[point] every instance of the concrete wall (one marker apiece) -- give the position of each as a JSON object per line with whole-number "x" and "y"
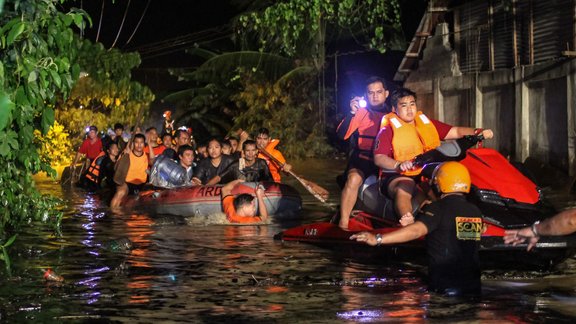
{"x": 532, "y": 109}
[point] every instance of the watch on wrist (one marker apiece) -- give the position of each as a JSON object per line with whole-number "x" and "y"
{"x": 534, "y": 229}
{"x": 378, "y": 239}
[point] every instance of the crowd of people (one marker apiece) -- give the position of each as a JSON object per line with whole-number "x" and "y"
{"x": 386, "y": 131}
{"x": 125, "y": 162}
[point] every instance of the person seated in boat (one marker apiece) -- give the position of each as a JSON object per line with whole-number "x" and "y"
{"x": 360, "y": 127}
{"x": 167, "y": 173}
{"x": 101, "y": 172}
{"x": 152, "y": 140}
{"x": 235, "y": 151}
{"x": 248, "y": 168}
{"x": 563, "y": 223}
{"x": 226, "y": 148}
{"x": 243, "y": 208}
{"x": 167, "y": 141}
{"x": 406, "y": 133}
{"x": 181, "y": 138}
{"x": 91, "y": 148}
{"x": 453, "y": 229}
{"x": 201, "y": 152}
{"x": 213, "y": 166}
{"x": 266, "y": 143}
{"x": 131, "y": 171}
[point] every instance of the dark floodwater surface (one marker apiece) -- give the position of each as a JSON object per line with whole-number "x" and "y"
{"x": 182, "y": 273}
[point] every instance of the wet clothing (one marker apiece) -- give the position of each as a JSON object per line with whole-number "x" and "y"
{"x": 91, "y": 149}
{"x": 230, "y": 211}
{"x": 273, "y": 166}
{"x": 361, "y": 128}
{"x": 157, "y": 150}
{"x": 255, "y": 173}
{"x": 206, "y": 170}
{"x": 452, "y": 244}
{"x": 131, "y": 169}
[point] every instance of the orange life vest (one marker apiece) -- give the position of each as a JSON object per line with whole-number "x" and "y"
{"x": 410, "y": 140}
{"x": 93, "y": 172}
{"x": 137, "y": 170}
{"x": 367, "y": 123}
{"x": 272, "y": 166}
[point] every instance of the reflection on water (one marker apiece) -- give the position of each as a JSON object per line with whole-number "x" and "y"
{"x": 181, "y": 272}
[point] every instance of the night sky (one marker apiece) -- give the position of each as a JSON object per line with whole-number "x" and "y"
{"x": 169, "y": 26}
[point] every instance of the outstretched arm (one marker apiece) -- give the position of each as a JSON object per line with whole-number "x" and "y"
{"x": 563, "y": 223}
{"x": 457, "y": 132}
{"x": 405, "y": 234}
{"x": 227, "y": 189}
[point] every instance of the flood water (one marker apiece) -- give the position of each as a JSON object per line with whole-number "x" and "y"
{"x": 182, "y": 273}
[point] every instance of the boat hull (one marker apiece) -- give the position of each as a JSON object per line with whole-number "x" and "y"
{"x": 282, "y": 201}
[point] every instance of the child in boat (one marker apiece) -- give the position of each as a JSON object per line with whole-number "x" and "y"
{"x": 453, "y": 228}
{"x": 243, "y": 208}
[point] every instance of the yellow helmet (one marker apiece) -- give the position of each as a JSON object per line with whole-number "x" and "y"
{"x": 451, "y": 177}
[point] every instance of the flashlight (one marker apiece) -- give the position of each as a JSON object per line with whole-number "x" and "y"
{"x": 362, "y": 103}
{"x": 164, "y": 115}
{"x": 87, "y": 129}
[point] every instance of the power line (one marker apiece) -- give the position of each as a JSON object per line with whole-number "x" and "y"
{"x": 140, "y": 21}
{"x": 121, "y": 25}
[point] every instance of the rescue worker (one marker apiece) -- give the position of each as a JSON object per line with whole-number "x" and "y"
{"x": 453, "y": 228}
{"x": 406, "y": 133}
{"x": 131, "y": 169}
{"x": 243, "y": 208}
{"x": 361, "y": 126}
{"x": 266, "y": 143}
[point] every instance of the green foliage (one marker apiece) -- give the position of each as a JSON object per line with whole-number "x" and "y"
{"x": 37, "y": 48}
{"x": 299, "y": 28}
{"x": 287, "y": 108}
{"x": 55, "y": 147}
{"x": 105, "y": 94}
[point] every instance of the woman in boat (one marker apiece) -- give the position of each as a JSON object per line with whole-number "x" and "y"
{"x": 213, "y": 166}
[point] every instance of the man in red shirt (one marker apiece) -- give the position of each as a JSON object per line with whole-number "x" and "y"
{"x": 91, "y": 147}
{"x": 406, "y": 133}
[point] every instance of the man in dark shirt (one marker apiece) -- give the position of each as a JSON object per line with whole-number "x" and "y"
{"x": 249, "y": 168}
{"x": 453, "y": 228}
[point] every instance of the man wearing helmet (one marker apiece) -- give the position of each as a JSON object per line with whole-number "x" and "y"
{"x": 453, "y": 228}
{"x": 404, "y": 134}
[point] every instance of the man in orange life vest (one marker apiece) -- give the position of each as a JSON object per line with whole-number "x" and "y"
{"x": 265, "y": 142}
{"x": 406, "y": 133}
{"x": 102, "y": 169}
{"x": 131, "y": 170}
{"x": 243, "y": 208}
{"x": 363, "y": 123}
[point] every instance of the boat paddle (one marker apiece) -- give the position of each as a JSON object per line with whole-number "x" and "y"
{"x": 313, "y": 188}
{"x": 316, "y": 190}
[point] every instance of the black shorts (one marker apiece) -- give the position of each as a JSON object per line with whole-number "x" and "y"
{"x": 367, "y": 167}
{"x": 134, "y": 189}
{"x": 388, "y": 177}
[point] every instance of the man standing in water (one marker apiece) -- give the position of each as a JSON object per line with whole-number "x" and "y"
{"x": 131, "y": 172}
{"x": 361, "y": 126}
{"x": 453, "y": 228}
